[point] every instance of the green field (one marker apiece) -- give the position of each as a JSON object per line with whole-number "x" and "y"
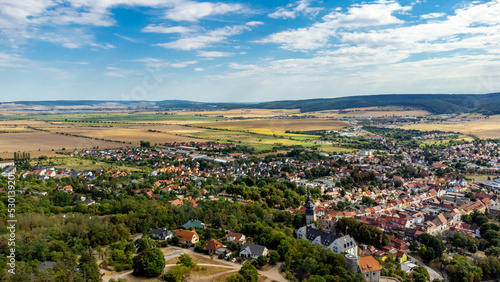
{"x": 132, "y": 117}
{"x": 81, "y": 164}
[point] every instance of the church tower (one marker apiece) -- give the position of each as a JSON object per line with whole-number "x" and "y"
{"x": 310, "y": 213}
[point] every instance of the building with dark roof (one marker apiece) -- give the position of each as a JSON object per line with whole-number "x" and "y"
{"x": 162, "y": 234}
{"x": 46, "y": 265}
{"x": 338, "y": 244}
{"x": 253, "y": 251}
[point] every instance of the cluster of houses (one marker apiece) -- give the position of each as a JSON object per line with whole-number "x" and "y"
{"x": 189, "y": 237}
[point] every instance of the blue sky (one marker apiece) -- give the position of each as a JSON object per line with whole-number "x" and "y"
{"x": 245, "y": 51}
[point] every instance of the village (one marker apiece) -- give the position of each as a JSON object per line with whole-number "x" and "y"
{"x": 403, "y": 192}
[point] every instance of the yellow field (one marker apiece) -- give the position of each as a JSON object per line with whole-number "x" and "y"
{"x": 277, "y": 126}
{"x": 482, "y": 128}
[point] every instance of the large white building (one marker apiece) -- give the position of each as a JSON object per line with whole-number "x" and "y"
{"x": 335, "y": 243}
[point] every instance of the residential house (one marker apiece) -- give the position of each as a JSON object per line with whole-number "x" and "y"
{"x": 213, "y": 246}
{"x": 237, "y": 238}
{"x": 253, "y": 251}
{"x": 193, "y": 223}
{"x": 187, "y": 237}
{"x": 162, "y": 234}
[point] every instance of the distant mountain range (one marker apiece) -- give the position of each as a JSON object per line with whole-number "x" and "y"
{"x": 488, "y": 104}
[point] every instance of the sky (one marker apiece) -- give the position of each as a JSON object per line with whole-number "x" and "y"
{"x": 245, "y": 51}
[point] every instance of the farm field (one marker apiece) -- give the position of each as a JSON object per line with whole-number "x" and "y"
{"x": 482, "y": 128}
{"x": 115, "y": 117}
{"x": 42, "y": 143}
{"x": 370, "y": 111}
{"x": 277, "y": 126}
{"x": 246, "y": 113}
{"x": 133, "y": 134}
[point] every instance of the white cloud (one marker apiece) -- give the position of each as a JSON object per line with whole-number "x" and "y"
{"x": 9, "y": 60}
{"x": 199, "y": 69}
{"x": 291, "y": 11}
{"x": 28, "y": 19}
{"x": 183, "y": 64}
{"x": 120, "y": 72}
{"x": 255, "y": 23}
{"x": 316, "y": 36}
{"x": 214, "y": 54}
{"x": 193, "y": 11}
{"x": 167, "y": 29}
{"x": 204, "y": 40}
{"x": 456, "y": 50}
{"x": 103, "y": 46}
{"x": 126, "y": 38}
{"x": 432, "y": 16}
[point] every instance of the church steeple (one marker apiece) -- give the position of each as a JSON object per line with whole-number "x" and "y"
{"x": 310, "y": 213}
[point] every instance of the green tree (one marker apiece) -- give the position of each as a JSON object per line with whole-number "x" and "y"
{"x": 88, "y": 267}
{"x": 461, "y": 269}
{"x": 178, "y": 273}
{"x": 274, "y": 257}
{"x": 236, "y": 278}
{"x": 143, "y": 244}
{"x": 186, "y": 260}
{"x": 493, "y": 251}
{"x": 249, "y": 273}
{"x": 261, "y": 261}
{"x": 61, "y": 198}
{"x": 149, "y": 263}
{"x": 420, "y": 274}
{"x": 145, "y": 144}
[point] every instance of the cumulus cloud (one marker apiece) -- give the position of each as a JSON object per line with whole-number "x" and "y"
{"x": 193, "y": 11}
{"x": 291, "y": 11}
{"x": 357, "y": 16}
{"x": 432, "y": 16}
{"x": 27, "y": 19}
{"x": 201, "y": 41}
{"x": 183, "y": 64}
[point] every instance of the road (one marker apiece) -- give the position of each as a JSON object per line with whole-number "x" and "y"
{"x": 272, "y": 274}
{"x": 433, "y": 274}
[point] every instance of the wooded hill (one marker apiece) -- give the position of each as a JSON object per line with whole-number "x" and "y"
{"x": 487, "y": 104}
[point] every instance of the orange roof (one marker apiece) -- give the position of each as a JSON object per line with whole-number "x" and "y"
{"x": 368, "y": 264}
{"x": 185, "y": 235}
{"x": 213, "y": 245}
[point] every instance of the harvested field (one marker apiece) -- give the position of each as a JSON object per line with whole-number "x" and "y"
{"x": 482, "y": 128}
{"x": 131, "y": 134}
{"x": 247, "y": 113}
{"x": 43, "y": 141}
{"x": 277, "y": 126}
{"x": 370, "y": 111}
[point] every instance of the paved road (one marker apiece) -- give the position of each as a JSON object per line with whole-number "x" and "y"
{"x": 433, "y": 274}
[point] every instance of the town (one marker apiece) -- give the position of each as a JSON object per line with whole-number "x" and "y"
{"x": 388, "y": 212}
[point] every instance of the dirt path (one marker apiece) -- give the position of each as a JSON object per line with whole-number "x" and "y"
{"x": 271, "y": 274}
